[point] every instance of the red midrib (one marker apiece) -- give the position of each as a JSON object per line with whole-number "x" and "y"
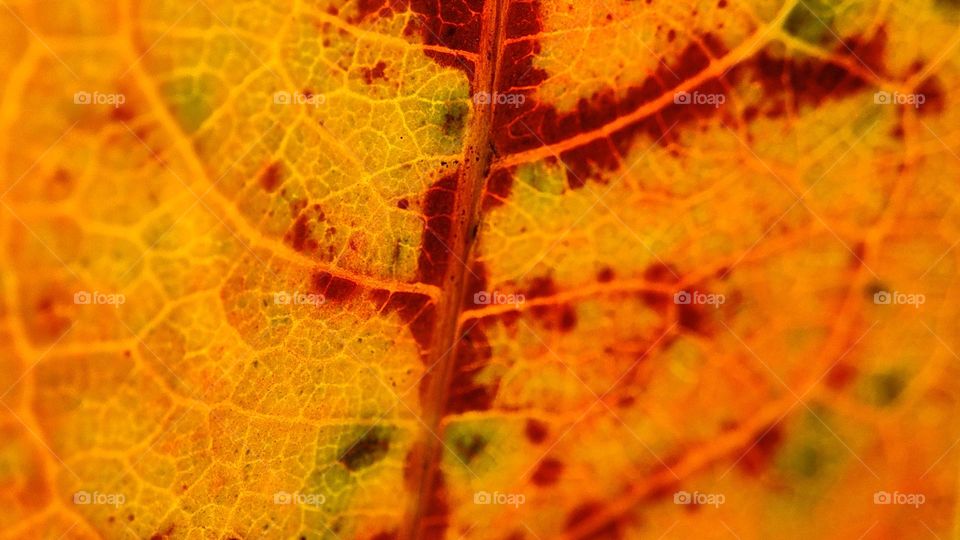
{"x": 426, "y": 518}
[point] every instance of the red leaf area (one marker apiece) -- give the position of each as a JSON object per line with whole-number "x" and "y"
{"x": 588, "y": 141}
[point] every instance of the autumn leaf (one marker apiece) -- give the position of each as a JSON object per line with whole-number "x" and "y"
{"x": 525, "y": 269}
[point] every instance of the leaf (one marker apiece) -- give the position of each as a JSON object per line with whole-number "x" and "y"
{"x": 478, "y": 269}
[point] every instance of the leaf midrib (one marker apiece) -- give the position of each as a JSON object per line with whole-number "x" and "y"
{"x": 465, "y": 216}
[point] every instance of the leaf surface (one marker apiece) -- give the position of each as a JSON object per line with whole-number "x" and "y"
{"x": 479, "y": 269}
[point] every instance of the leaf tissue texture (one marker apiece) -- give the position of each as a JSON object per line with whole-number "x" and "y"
{"x": 479, "y": 269}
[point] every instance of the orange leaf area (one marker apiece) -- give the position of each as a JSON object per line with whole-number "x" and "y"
{"x": 479, "y": 269}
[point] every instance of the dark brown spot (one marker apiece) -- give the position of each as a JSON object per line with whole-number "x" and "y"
{"x": 536, "y": 431}
{"x": 123, "y": 113}
{"x": 48, "y": 317}
{"x": 932, "y": 92}
{"x": 692, "y": 317}
{"x": 840, "y": 376}
{"x": 374, "y": 73}
{"x": 298, "y": 235}
{"x": 625, "y": 402}
{"x": 857, "y": 252}
{"x": 271, "y": 177}
{"x": 659, "y": 272}
{"x": 548, "y": 472}
{"x": 541, "y": 287}
{"x": 469, "y": 446}
{"x": 761, "y": 454}
{"x": 371, "y": 447}
{"x": 62, "y": 177}
{"x": 568, "y": 319}
{"x": 333, "y": 288}
{"x": 455, "y": 119}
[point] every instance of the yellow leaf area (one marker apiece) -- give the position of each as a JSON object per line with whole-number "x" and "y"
{"x": 486, "y": 269}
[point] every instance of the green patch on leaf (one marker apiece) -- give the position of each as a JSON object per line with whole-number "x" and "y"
{"x": 810, "y": 450}
{"x": 468, "y": 445}
{"x": 882, "y": 389}
{"x": 369, "y": 446}
{"x": 453, "y": 118}
{"x": 192, "y": 100}
{"x": 543, "y": 178}
{"x": 811, "y": 21}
